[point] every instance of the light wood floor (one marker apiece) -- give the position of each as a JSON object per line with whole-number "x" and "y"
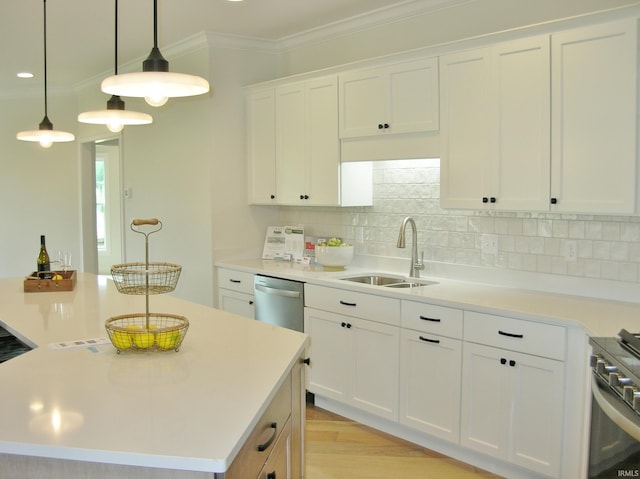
{"x": 338, "y": 448}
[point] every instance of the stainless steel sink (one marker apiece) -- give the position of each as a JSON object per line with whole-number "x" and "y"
{"x": 388, "y": 281}
{"x": 375, "y": 280}
{"x": 411, "y": 285}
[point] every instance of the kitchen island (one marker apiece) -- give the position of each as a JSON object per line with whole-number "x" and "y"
{"x": 91, "y": 412}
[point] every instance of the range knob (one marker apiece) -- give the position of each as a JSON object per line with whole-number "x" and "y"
{"x": 614, "y": 380}
{"x": 627, "y": 394}
{"x": 593, "y": 360}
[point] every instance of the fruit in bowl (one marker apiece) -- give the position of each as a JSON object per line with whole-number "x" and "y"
{"x": 334, "y": 254}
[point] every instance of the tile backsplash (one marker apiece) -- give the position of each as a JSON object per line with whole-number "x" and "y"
{"x": 583, "y": 246}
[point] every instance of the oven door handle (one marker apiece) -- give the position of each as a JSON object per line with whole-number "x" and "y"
{"x": 610, "y": 408}
{"x": 278, "y": 292}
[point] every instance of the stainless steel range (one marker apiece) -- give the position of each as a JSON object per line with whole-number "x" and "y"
{"x": 615, "y": 416}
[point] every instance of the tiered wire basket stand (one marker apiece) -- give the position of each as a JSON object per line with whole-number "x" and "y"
{"x": 146, "y": 331}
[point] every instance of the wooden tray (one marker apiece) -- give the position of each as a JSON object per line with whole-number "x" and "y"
{"x": 34, "y": 284}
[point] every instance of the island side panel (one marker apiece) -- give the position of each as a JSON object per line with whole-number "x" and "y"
{"x": 19, "y": 467}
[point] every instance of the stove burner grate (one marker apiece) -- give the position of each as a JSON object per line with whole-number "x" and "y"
{"x": 630, "y": 342}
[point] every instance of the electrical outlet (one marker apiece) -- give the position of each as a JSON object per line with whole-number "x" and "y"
{"x": 489, "y": 244}
{"x": 571, "y": 250}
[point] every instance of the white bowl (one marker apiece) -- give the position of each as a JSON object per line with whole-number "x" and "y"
{"x": 334, "y": 258}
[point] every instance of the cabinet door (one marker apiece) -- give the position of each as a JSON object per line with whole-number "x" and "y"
{"x": 322, "y": 175}
{"x": 486, "y": 401}
{"x": 330, "y": 352}
{"x": 413, "y": 97}
{"x": 430, "y": 374}
{"x": 521, "y": 159}
{"x": 594, "y": 118}
{"x": 261, "y": 147}
{"x": 538, "y": 392}
{"x": 362, "y": 103}
{"x": 466, "y": 132}
{"x": 375, "y": 351}
{"x": 236, "y": 303}
{"x": 291, "y": 146}
{"x": 512, "y": 407}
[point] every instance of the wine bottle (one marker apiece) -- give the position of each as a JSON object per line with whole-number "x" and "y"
{"x": 43, "y": 260}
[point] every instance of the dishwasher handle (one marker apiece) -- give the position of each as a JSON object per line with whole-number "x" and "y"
{"x": 278, "y": 292}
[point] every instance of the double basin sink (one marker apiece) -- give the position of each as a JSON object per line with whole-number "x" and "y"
{"x": 389, "y": 281}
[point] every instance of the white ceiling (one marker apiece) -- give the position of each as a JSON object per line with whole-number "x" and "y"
{"x": 81, "y": 33}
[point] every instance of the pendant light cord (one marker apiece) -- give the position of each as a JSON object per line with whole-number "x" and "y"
{"x": 44, "y": 3}
{"x": 155, "y": 23}
{"x": 116, "y": 41}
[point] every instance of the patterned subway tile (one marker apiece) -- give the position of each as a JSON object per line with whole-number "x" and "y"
{"x": 608, "y": 247}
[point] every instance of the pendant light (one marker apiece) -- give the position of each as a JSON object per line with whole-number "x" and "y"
{"x": 115, "y": 116}
{"x": 45, "y": 134}
{"x": 155, "y": 83}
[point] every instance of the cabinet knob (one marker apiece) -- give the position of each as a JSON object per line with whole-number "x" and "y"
{"x": 386, "y": 125}
{"x": 271, "y": 475}
{"x": 304, "y": 197}
{"x": 485, "y": 199}
{"x": 512, "y": 363}
{"x": 493, "y": 199}
{"x": 273, "y": 197}
{"x": 554, "y": 201}
{"x": 380, "y": 126}
{"x": 307, "y": 361}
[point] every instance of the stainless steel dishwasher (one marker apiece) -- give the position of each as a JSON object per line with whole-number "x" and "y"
{"x": 279, "y": 301}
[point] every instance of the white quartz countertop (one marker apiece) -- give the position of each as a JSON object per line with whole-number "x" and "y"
{"x": 190, "y": 410}
{"x": 598, "y": 317}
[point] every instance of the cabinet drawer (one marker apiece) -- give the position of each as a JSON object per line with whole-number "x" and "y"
{"x": 433, "y": 319}
{"x": 350, "y": 303}
{"x": 256, "y": 450}
{"x": 546, "y": 340}
{"x": 240, "y": 281}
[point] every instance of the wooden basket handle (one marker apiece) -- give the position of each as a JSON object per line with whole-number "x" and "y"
{"x": 150, "y": 221}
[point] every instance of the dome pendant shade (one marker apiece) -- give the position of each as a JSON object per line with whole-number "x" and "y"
{"x": 45, "y": 134}
{"x": 156, "y": 84}
{"x": 115, "y": 116}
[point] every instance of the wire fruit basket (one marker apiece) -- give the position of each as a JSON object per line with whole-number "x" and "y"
{"x": 143, "y": 278}
{"x": 142, "y": 332}
{"x": 146, "y": 331}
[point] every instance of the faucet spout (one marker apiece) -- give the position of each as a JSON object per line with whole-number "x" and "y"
{"x": 416, "y": 265}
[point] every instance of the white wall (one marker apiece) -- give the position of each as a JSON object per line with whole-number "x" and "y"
{"x": 38, "y": 187}
{"x": 188, "y": 169}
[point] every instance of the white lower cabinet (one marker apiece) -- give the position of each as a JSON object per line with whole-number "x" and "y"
{"x": 354, "y": 360}
{"x": 235, "y": 292}
{"x": 512, "y": 402}
{"x": 484, "y": 383}
{"x": 430, "y": 371}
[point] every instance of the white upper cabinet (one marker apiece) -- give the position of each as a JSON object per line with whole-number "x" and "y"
{"x": 495, "y": 126}
{"x": 294, "y": 149}
{"x": 401, "y": 98}
{"x": 261, "y": 146}
{"x": 465, "y": 129}
{"x": 594, "y": 118}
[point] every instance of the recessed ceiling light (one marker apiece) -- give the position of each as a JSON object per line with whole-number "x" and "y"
{"x": 25, "y": 75}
